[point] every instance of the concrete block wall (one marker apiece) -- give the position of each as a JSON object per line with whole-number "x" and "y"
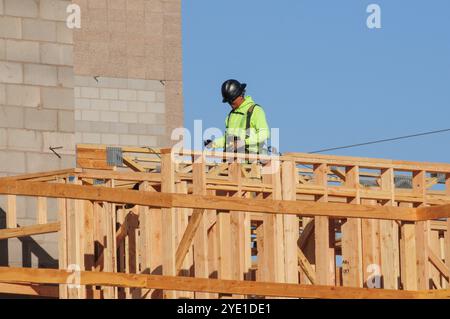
{"x": 36, "y": 111}
{"x": 117, "y": 80}
{"x": 120, "y": 111}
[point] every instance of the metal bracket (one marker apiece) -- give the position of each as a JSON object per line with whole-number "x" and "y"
{"x": 114, "y": 156}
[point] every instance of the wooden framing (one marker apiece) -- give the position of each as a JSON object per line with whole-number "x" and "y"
{"x": 189, "y": 225}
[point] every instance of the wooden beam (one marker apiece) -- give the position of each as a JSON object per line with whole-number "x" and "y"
{"x": 306, "y": 267}
{"x": 54, "y": 276}
{"x": 438, "y": 263}
{"x": 165, "y": 200}
{"x": 29, "y": 230}
{"x": 29, "y": 290}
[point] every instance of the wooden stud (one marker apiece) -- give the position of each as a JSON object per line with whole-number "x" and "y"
{"x": 422, "y": 234}
{"x": 168, "y": 220}
{"x": 290, "y": 224}
{"x": 11, "y": 214}
{"x": 389, "y": 236}
{"x": 42, "y": 210}
{"x": 351, "y": 237}
{"x": 323, "y": 235}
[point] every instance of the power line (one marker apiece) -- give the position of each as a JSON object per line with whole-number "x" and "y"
{"x": 380, "y": 141}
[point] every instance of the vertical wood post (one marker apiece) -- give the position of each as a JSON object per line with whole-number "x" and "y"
{"x": 323, "y": 235}
{"x": 351, "y": 237}
{"x": 168, "y": 219}
{"x": 422, "y": 234}
{"x": 291, "y": 223}
{"x": 389, "y": 234}
{"x": 11, "y": 214}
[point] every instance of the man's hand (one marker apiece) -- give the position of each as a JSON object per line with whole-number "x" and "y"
{"x": 208, "y": 143}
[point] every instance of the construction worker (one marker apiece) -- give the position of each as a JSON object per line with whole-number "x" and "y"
{"x": 246, "y": 126}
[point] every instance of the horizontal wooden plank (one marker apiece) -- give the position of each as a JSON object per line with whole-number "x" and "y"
{"x": 38, "y": 175}
{"x": 54, "y": 276}
{"x": 434, "y": 212}
{"x": 166, "y": 200}
{"x": 29, "y": 290}
{"x": 29, "y": 230}
{"x": 93, "y": 163}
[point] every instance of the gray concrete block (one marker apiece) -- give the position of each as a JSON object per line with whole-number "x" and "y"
{"x": 63, "y": 33}
{"x": 57, "y": 98}
{"x": 82, "y": 104}
{"x": 147, "y": 141}
{"x": 24, "y": 140}
{"x": 139, "y": 129}
{"x": 66, "y": 121}
{"x": 65, "y": 76}
{"x": 115, "y": 83}
{"x": 119, "y": 128}
{"x": 12, "y": 161}
{"x": 21, "y": 8}
{"x": 22, "y": 51}
{"x": 127, "y": 95}
{"x": 3, "y": 138}
{"x": 101, "y": 127}
{"x": 136, "y": 106}
{"x": 2, "y": 94}
{"x": 156, "y": 130}
{"x": 85, "y": 81}
{"x": 39, "y": 162}
{"x": 23, "y": 95}
{"x": 110, "y": 139}
{"x": 41, "y": 74}
{"x": 147, "y": 118}
{"x": 54, "y": 9}
{"x": 93, "y": 138}
{"x": 59, "y": 54}
{"x": 10, "y": 27}
{"x": 100, "y": 105}
{"x": 57, "y": 139}
{"x": 39, "y": 30}
{"x": 137, "y": 84}
{"x": 109, "y": 94}
{"x": 11, "y": 72}
{"x": 154, "y": 85}
{"x": 1, "y": 7}
{"x": 108, "y": 116}
{"x": 118, "y": 106}
{"x": 90, "y": 92}
{"x": 146, "y": 96}
{"x": 89, "y": 115}
{"x": 128, "y": 140}
{"x": 161, "y": 97}
{"x": 11, "y": 116}
{"x": 83, "y": 126}
{"x": 130, "y": 117}
{"x": 67, "y": 161}
{"x": 159, "y": 108}
{"x": 46, "y": 120}
{"x": 2, "y": 49}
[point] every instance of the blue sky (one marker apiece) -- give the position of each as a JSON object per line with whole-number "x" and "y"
{"x": 321, "y": 75}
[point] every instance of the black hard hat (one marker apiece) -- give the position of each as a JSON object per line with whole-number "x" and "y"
{"x": 231, "y": 89}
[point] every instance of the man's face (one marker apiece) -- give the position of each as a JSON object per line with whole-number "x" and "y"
{"x": 237, "y": 102}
